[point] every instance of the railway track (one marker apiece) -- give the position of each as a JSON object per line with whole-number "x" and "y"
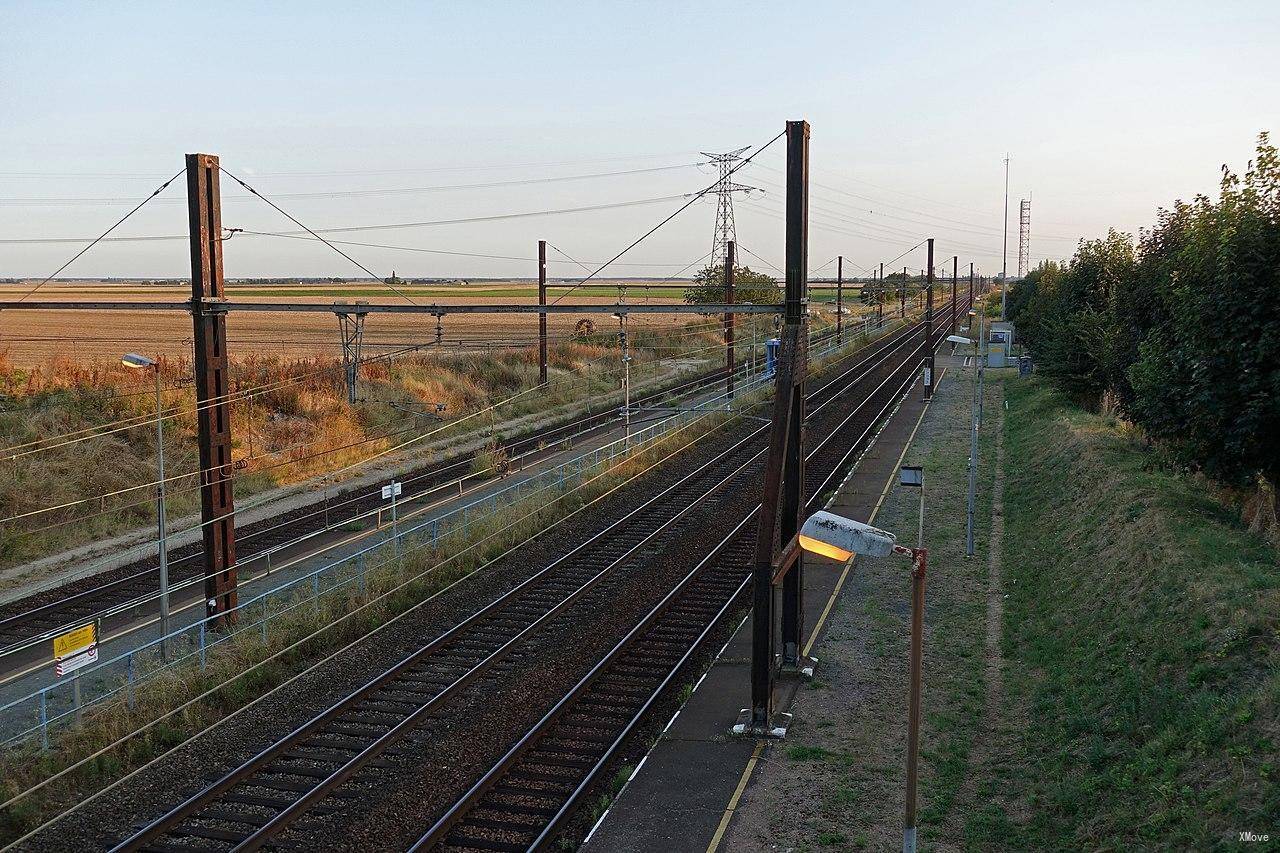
{"x": 302, "y": 773}
{"x": 133, "y": 589}
{"x": 526, "y": 799}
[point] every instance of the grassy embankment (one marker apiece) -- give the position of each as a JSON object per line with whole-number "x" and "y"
{"x": 1141, "y": 623}
{"x": 298, "y": 427}
{"x": 1135, "y": 700}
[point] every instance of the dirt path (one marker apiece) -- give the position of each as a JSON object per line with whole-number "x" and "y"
{"x": 991, "y": 747}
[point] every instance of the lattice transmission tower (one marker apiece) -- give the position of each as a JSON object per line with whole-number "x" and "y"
{"x": 1024, "y": 238}
{"x": 725, "y": 189}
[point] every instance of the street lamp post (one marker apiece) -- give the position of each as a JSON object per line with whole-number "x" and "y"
{"x": 141, "y": 362}
{"x": 840, "y": 538}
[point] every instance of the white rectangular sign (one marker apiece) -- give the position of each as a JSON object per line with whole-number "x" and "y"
{"x": 76, "y": 661}
{"x": 386, "y": 490}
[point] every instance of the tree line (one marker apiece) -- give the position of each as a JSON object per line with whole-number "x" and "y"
{"x": 1178, "y": 330}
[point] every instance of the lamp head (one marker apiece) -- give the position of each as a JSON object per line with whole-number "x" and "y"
{"x": 840, "y": 538}
{"x": 132, "y": 359}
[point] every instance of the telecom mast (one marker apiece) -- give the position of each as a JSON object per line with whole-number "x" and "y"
{"x": 725, "y": 188}
{"x": 1024, "y": 238}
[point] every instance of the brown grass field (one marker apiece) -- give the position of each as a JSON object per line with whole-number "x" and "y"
{"x": 34, "y": 338}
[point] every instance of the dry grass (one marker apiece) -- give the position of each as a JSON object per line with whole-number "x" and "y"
{"x": 172, "y": 706}
{"x": 33, "y": 338}
{"x": 295, "y": 425}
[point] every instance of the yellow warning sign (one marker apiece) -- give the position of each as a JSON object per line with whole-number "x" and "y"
{"x": 75, "y": 640}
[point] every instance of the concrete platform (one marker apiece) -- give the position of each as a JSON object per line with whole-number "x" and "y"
{"x": 683, "y": 795}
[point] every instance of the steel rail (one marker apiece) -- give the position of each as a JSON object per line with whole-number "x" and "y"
{"x": 197, "y": 802}
{"x": 557, "y": 433}
{"x": 444, "y": 824}
{"x": 472, "y": 799}
{"x": 244, "y": 771}
{"x": 583, "y": 426}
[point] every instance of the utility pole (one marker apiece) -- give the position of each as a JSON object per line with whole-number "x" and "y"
{"x": 542, "y": 317}
{"x": 730, "y": 319}
{"x": 1004, "y": 274}
{"x": 902, "y": 293}
{"x": 955, "y": 272}
{"x": 879, "y": 291}
{"x": 839, "y": 298}
{"x": 928, "y": 327}
{"x": 783, "y": 500}
{"x": 971, "y": 284}
{"x": 797, "y": 267}
{"x": 209, "y": 321}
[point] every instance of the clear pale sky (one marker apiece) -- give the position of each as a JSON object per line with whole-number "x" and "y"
{"x": 1109, "y": 110}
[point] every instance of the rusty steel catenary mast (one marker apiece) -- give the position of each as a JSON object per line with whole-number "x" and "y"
{"x": 209, "y": 319}
{"x": 777, "y": 563}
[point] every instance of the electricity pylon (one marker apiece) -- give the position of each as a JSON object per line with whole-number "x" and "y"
{"x": 725, "y": 189}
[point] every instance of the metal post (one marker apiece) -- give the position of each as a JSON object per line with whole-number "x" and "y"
{"x": 395, "y": 523}
{"x": 973, "y": 460}
{"x": 919, "y": 567}
{"x": 163, "y": 544}
{"x": 971, "y": 284}
{"x": 797, "y": 297}
{"x": 217, "y": 505}
{"x": 351, "y": 332}
{"x": 879, "y": 297}
{"x": 782, "y": 502}
{"x": 982, "y": 367}
{"x": 730, "y": 319}
{"x": 1004, "y": 274}
{"x": 928, "y": 327}
{"x": 626, "y": 379}
{"x": 903, "y": 293}
{"x": 955, "y": 272}
{"x": 839, "y": 296}
{"x": 128, "y": 680}
{"x": 542, "y": 317}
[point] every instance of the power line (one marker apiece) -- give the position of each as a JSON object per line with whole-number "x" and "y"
{"x": 760, "y": 259}
{"x": 384, "y": 227}
{"x": 328, "y": 194}
{"x": 424, "y": 250}
{"x": 291, "y": 218}
{"x": 101, "y": 236}
{"x": 675, "y": 213}
{"x": 479, "y": 167}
